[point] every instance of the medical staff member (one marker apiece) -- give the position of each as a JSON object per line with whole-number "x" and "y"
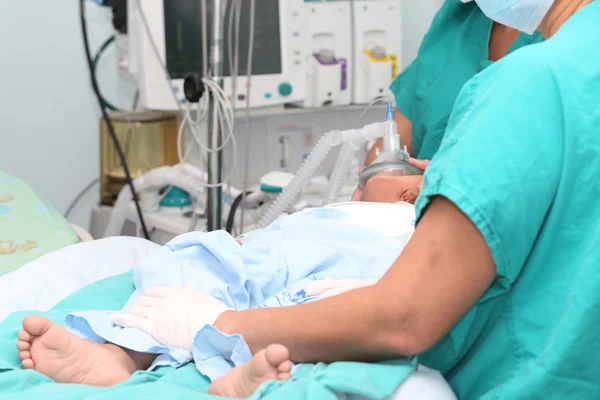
{"x": 499, "y": 288}
{"x": 461, "y": 42}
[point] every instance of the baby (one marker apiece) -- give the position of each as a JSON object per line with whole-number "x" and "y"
{"x": 304, "y": 257}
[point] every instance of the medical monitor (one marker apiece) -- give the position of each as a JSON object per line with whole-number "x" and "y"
{"x": 278, "y": 71}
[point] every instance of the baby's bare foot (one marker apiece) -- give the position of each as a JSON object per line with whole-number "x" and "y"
{"x": 269, "y": 364}
{"x": 60, "y": 355}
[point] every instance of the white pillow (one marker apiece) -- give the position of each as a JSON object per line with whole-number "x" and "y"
{"x": 396, "y": 220}
{"x": 41, "y": 284}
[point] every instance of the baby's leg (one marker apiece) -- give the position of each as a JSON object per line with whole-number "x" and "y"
{"x": 272, "y": 363}
{"x": 57, "y": 353}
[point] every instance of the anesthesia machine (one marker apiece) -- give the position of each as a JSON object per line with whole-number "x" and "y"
{"x": 377, "y": 46}
{"x": 329, "y": 67}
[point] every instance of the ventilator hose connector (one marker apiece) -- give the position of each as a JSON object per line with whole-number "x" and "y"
{"x": 291, "y": 192}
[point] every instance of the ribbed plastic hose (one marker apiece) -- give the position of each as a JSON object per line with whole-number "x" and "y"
{"x": 330, "y": 140}
{"x": 291, "y": 192}
{"x": 340, "y": 172}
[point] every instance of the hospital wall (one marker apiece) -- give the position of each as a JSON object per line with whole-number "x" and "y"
{"x": 48, "y": 114}
{"x": 416, "y": 19}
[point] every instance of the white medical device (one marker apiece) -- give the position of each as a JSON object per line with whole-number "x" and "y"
{"x": 377, "y": 47}
{"x": 175, "y": 26}
{"x": 329, "y": 67}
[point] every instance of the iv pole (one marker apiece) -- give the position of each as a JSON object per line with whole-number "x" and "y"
{"x": 215, "y": 161}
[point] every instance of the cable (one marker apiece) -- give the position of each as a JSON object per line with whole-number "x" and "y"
{"x": 224, "y": 112}
{"x": 234, "y": 11}
{"x": 97, "y": 57}
{"x": 108, "y": 105}
{"x": 223, "y": 107}
{"x": 377, "y": 100}
{"x": 204, "y": 39}
{"x": 248, "y": 87}
{"x": 234, "y": 55}
{"x": 80, "y": 196}
{"x": 106, "y": 118}
{"x": 234, "y": 206}
{"x": 223, "y": 104}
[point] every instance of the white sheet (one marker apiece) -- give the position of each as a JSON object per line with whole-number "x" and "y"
{"x": 48, "y": 280}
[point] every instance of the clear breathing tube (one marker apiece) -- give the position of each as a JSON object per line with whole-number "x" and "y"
{"x": 393, "y": 160}
{"x": 391, "y": 139}
{"x": 339, "y": 175}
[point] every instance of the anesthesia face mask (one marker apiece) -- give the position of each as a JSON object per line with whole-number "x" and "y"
{"x": 393, "y": 161}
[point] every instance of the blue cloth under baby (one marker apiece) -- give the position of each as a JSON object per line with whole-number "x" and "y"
{"x": 271, "y": 269}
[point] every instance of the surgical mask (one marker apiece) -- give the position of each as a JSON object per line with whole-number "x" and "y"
{"x": 523, "y": 15}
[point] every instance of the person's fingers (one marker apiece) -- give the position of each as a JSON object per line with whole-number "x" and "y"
{"x": 129, "y": 321}
{"x": 146, "y": 301}
{"x": 139, "y": 311}
{"x": 421, "y": 164}
{"x": 410, "y": 196}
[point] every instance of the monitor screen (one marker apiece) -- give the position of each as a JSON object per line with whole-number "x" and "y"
{"x": 183, "y": 32}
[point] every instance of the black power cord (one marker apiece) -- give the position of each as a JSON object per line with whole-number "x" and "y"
{"x": 107, "y": 120}
{"x": 234, "y": 206}
{"x": 96, "y": 61}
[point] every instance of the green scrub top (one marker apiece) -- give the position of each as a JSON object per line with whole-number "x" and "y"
{"x": 454, "y": 50}
{"x": 521, "y": 158}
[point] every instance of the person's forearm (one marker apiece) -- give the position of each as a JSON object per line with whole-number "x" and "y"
{"x": 447, "y": 259}
{"x": 354, "y": 326}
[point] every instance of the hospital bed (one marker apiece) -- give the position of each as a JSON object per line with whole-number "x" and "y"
{"x": 43, "y": 283}
{"x": 66, "y": 259}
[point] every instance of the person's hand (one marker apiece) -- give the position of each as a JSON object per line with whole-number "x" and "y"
{"x": 171, "y": 316}
{"x": 421, "y": 164}
{"x": 392, "y": 189}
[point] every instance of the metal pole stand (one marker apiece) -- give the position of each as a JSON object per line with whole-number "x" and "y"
{"x": 215, "y": 159}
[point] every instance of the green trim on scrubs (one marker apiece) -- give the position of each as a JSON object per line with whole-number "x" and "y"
{"x": 521, "y": 158}
{"x": 454, "y": 50}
